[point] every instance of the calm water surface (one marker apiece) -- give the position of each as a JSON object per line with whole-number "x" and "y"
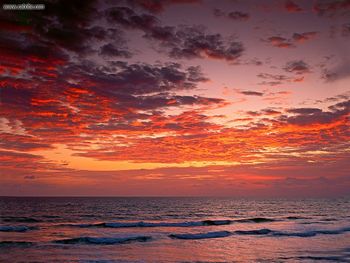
{"x": 173, "y": 230}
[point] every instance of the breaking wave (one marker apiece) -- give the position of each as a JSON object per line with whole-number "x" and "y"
{"x": 217, "y": 234}
{"x": 257, "y": 220}
{"x": 174, "y": 224}
{"x": 311, "y": 233}
{"x": 261, "y": 232}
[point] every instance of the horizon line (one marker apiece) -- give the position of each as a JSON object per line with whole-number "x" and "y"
{"x": 159, "y": 196}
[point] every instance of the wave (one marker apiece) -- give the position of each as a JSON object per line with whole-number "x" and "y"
{"x": 15, "y": 243}
{"x": 150, "y": 224}
{"x": 263, "y": 231}
{"x": 318, "y": 258}
{"x": 256, "y": 220}
{"x": 329, "y": 219}
{"x": 311, "y": 233}
{"x": 216, "y": 222}
{"x": 103, "y": 240}
{"x": 156, "y": 224}
{"x": 16, "y": 228}
{"x": 217, "y": 234}
{"x": 173, "y": 224}
{"x": 297, "y": 217}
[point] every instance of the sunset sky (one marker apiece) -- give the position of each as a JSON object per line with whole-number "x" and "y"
{"x": 176, "y": 98}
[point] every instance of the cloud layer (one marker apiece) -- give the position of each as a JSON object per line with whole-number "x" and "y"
{"x": 130, "y": 85}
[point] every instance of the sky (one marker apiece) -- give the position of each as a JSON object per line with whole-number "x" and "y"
{"x": 176, "y": 98}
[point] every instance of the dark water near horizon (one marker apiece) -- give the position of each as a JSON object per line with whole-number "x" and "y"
{"x": 108, "y": 229}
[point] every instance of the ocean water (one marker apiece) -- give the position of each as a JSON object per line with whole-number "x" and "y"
{"x": 173, "y": 230}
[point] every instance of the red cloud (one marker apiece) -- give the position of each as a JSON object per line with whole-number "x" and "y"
{"x": 292, "y": 7}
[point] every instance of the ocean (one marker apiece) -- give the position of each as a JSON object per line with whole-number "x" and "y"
{"x": 144, "y": 229}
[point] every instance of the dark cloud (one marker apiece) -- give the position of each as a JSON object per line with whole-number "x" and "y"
{"x": 58, "y": 93}
{"x": 22, "y": 142}
{"x": 274, "y": 79}
{"x": 157, "y": 6}
{"x": 110, "y": 50}
{"x": 304, "y": 36}
{"x": 270, "y": 112}
{"x": 328, "y": 76}
{"x": 67, "y": 24}
{"x": 136, "y": 79}
{"x": 127, "y": 18}
{"x": 24, "y": 162}
{"x": 234, "y": 15}
{"x": 346, "y": 30}
{"x": 29, "y": 177}
{"x": 304, "y": 110}
{"x": 161, "y": 33}
{"x": 292, "y": 7}
{"x": 195, "y": 74}
{"x": 341, "y": 71}
{"x": 338, "y": 98}
{"x": 17, "y": 160}
{"x": 8, "y": 154}
{"x": 264, "y": 112}
{"x": 194, "y": 42}
{"x": 282, "y": 42}
{"x": 273, "y": 76}
{"x": 298, "y": 67}
{"x": 15, "y": 46}
{"x": 179, "y": 42}
{"x": 270, "y": 83}
{"x": 218, "y": 12}
{"x": 332, "y": 8}
{"x": 309, "y": 116}
{"x": 342, "y": 107}
{"x": 252, "y": 93}
{"x": 144, "y": 78}
{"x": 134, "y": 88}
{"x": 85, "y": 94}
{"x": 237, "y": 15}
{"x": 253, "y": 113}
{"x": 63, "y": 27}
